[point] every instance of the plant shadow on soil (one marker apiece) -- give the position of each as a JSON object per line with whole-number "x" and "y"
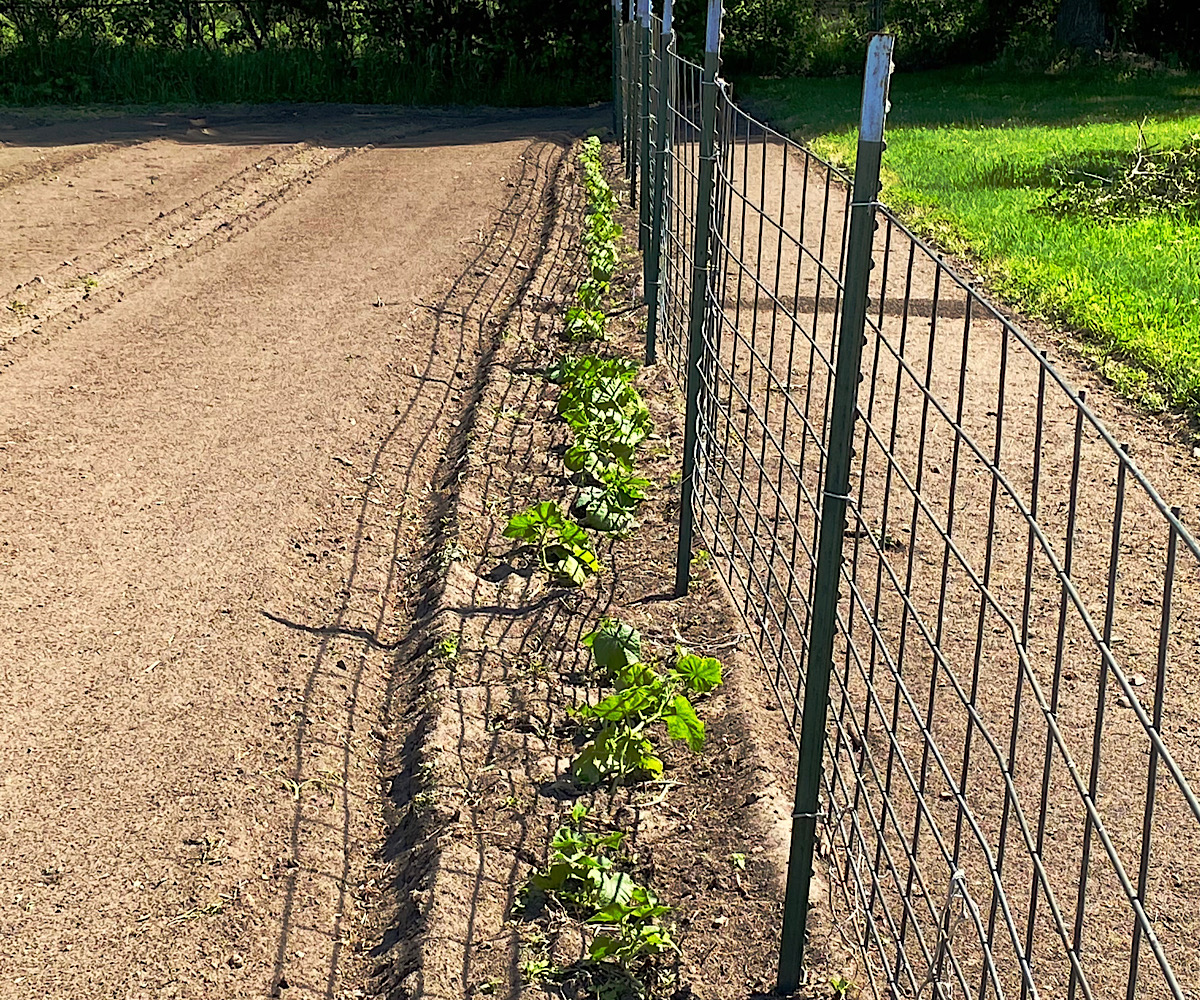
{"x": 498, "y": 664}
{"x": 478, "y": 301}
{"x": 268, "y": 124}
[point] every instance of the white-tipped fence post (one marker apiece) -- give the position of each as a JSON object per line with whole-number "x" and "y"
{"x": 700, "y": 269}
{"x": 836, "y": 491}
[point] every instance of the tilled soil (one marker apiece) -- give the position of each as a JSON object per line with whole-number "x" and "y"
{"x": 495, "y": 667}
{"x": 215, "y": 468}
{"x": 268, "y": 390}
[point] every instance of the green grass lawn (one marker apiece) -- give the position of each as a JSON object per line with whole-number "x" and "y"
{"x": 969, "y": 163}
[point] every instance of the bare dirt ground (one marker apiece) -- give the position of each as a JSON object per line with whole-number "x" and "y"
{"x": 944, "y": 762}
{"x": 215, "y": 468}
{"x": 268, "y": 390}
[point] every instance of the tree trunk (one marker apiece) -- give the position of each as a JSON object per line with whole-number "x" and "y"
{"x": 1080, "y": 24}
{"x": 251, "y": 27}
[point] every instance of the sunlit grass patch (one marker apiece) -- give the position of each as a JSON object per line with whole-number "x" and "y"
{"x": 1131, "y": 288}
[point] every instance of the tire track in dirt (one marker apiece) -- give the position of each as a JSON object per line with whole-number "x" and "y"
{"x": 40, "y": 307}
{"x": 23, "y": 170}
{"x": 98, "y": 275}
{"x": 214, "y": 497}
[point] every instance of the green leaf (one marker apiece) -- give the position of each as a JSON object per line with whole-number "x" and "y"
{"x": 615, "y": 890}
{"x": 564, "y": 547}
{"x": 535, "y": 524}
{"x": 594, "y": 456}
{"x": 616, "y": 752}
{"x": 701, "y": 674}
{"x": 566, "y": 566}
{"x": 603, "y": 946}
{"x": 623, "y": 704}
{"x": 683, "y": 723}
{"x": 604, "y": 509}
{"x": 635, "y": 675}
{"x": 614, "y": 645}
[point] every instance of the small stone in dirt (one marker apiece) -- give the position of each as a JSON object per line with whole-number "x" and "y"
{"x": 235, "y": 961}
{"x": 1137, "y": 680}
{"x": 1196, "y": 452}
{"x": 720, "y": 921}
{"x": 1123, "y": 701}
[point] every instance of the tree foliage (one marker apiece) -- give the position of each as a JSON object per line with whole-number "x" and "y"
{"x": 485, "y": 41}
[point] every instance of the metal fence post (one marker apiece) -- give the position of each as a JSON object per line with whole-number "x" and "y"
{"x": 618, "y": 109}
{"x": 647, "y": 53}
{"x": 833, "y": 510}
{"x": 658, "y": 202}
{"x": 700, "y": 255}
{"x": 632, "y": 100}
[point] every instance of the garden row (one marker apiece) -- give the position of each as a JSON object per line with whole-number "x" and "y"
{"x": 592, "y": 875}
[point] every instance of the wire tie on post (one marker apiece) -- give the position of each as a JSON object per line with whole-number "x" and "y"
{"x": 796, "y": 815}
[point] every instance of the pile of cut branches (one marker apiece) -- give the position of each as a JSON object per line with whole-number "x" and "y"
{"x": 1153, "y": 182}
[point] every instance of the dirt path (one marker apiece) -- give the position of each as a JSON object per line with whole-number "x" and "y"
{"x": 213, "y": 485}
{"x": 923, "y": 743}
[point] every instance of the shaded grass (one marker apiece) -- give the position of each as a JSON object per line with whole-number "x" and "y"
{"x": 975, "y": 184}
{"x": 78, "y": 72}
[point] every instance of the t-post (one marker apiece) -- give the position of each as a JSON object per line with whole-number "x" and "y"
{"x": 700, "y": 268}
{"x": 618, "y": 110}
{"x": 646, "y": 49}
{"x": 664, "y": 127}
{"x": 833, "y": 509}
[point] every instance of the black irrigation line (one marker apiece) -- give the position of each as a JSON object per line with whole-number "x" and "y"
{"x": 965, "y": 832}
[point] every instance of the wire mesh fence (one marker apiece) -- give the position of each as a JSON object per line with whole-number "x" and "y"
{"x": 1012, "y": 747}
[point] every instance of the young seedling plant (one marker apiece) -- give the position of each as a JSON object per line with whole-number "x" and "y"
{"x": 586, "y": 321}
{"x": 609, "y": 420}
{"x": 563, "y": 548}
{"x": 621, "y": 749}
{"x": 586, "y": 877}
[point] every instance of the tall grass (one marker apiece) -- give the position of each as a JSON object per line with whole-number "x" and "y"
{"x": 74, "y": 71}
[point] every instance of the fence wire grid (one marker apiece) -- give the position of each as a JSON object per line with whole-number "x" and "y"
{"x": 1013, "y": 741}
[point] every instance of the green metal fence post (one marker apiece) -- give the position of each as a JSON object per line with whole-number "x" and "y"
{"x": 658, "y": 203}
{"x": 618, "y": 109}
{"x": 633, "y": 101}
{"x": 700, "y": 255}
{"x": 833, "y": 509}
{"x": 647, "y": 53}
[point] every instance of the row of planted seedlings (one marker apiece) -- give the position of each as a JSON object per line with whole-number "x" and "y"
{"x": 590, "y": 877}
